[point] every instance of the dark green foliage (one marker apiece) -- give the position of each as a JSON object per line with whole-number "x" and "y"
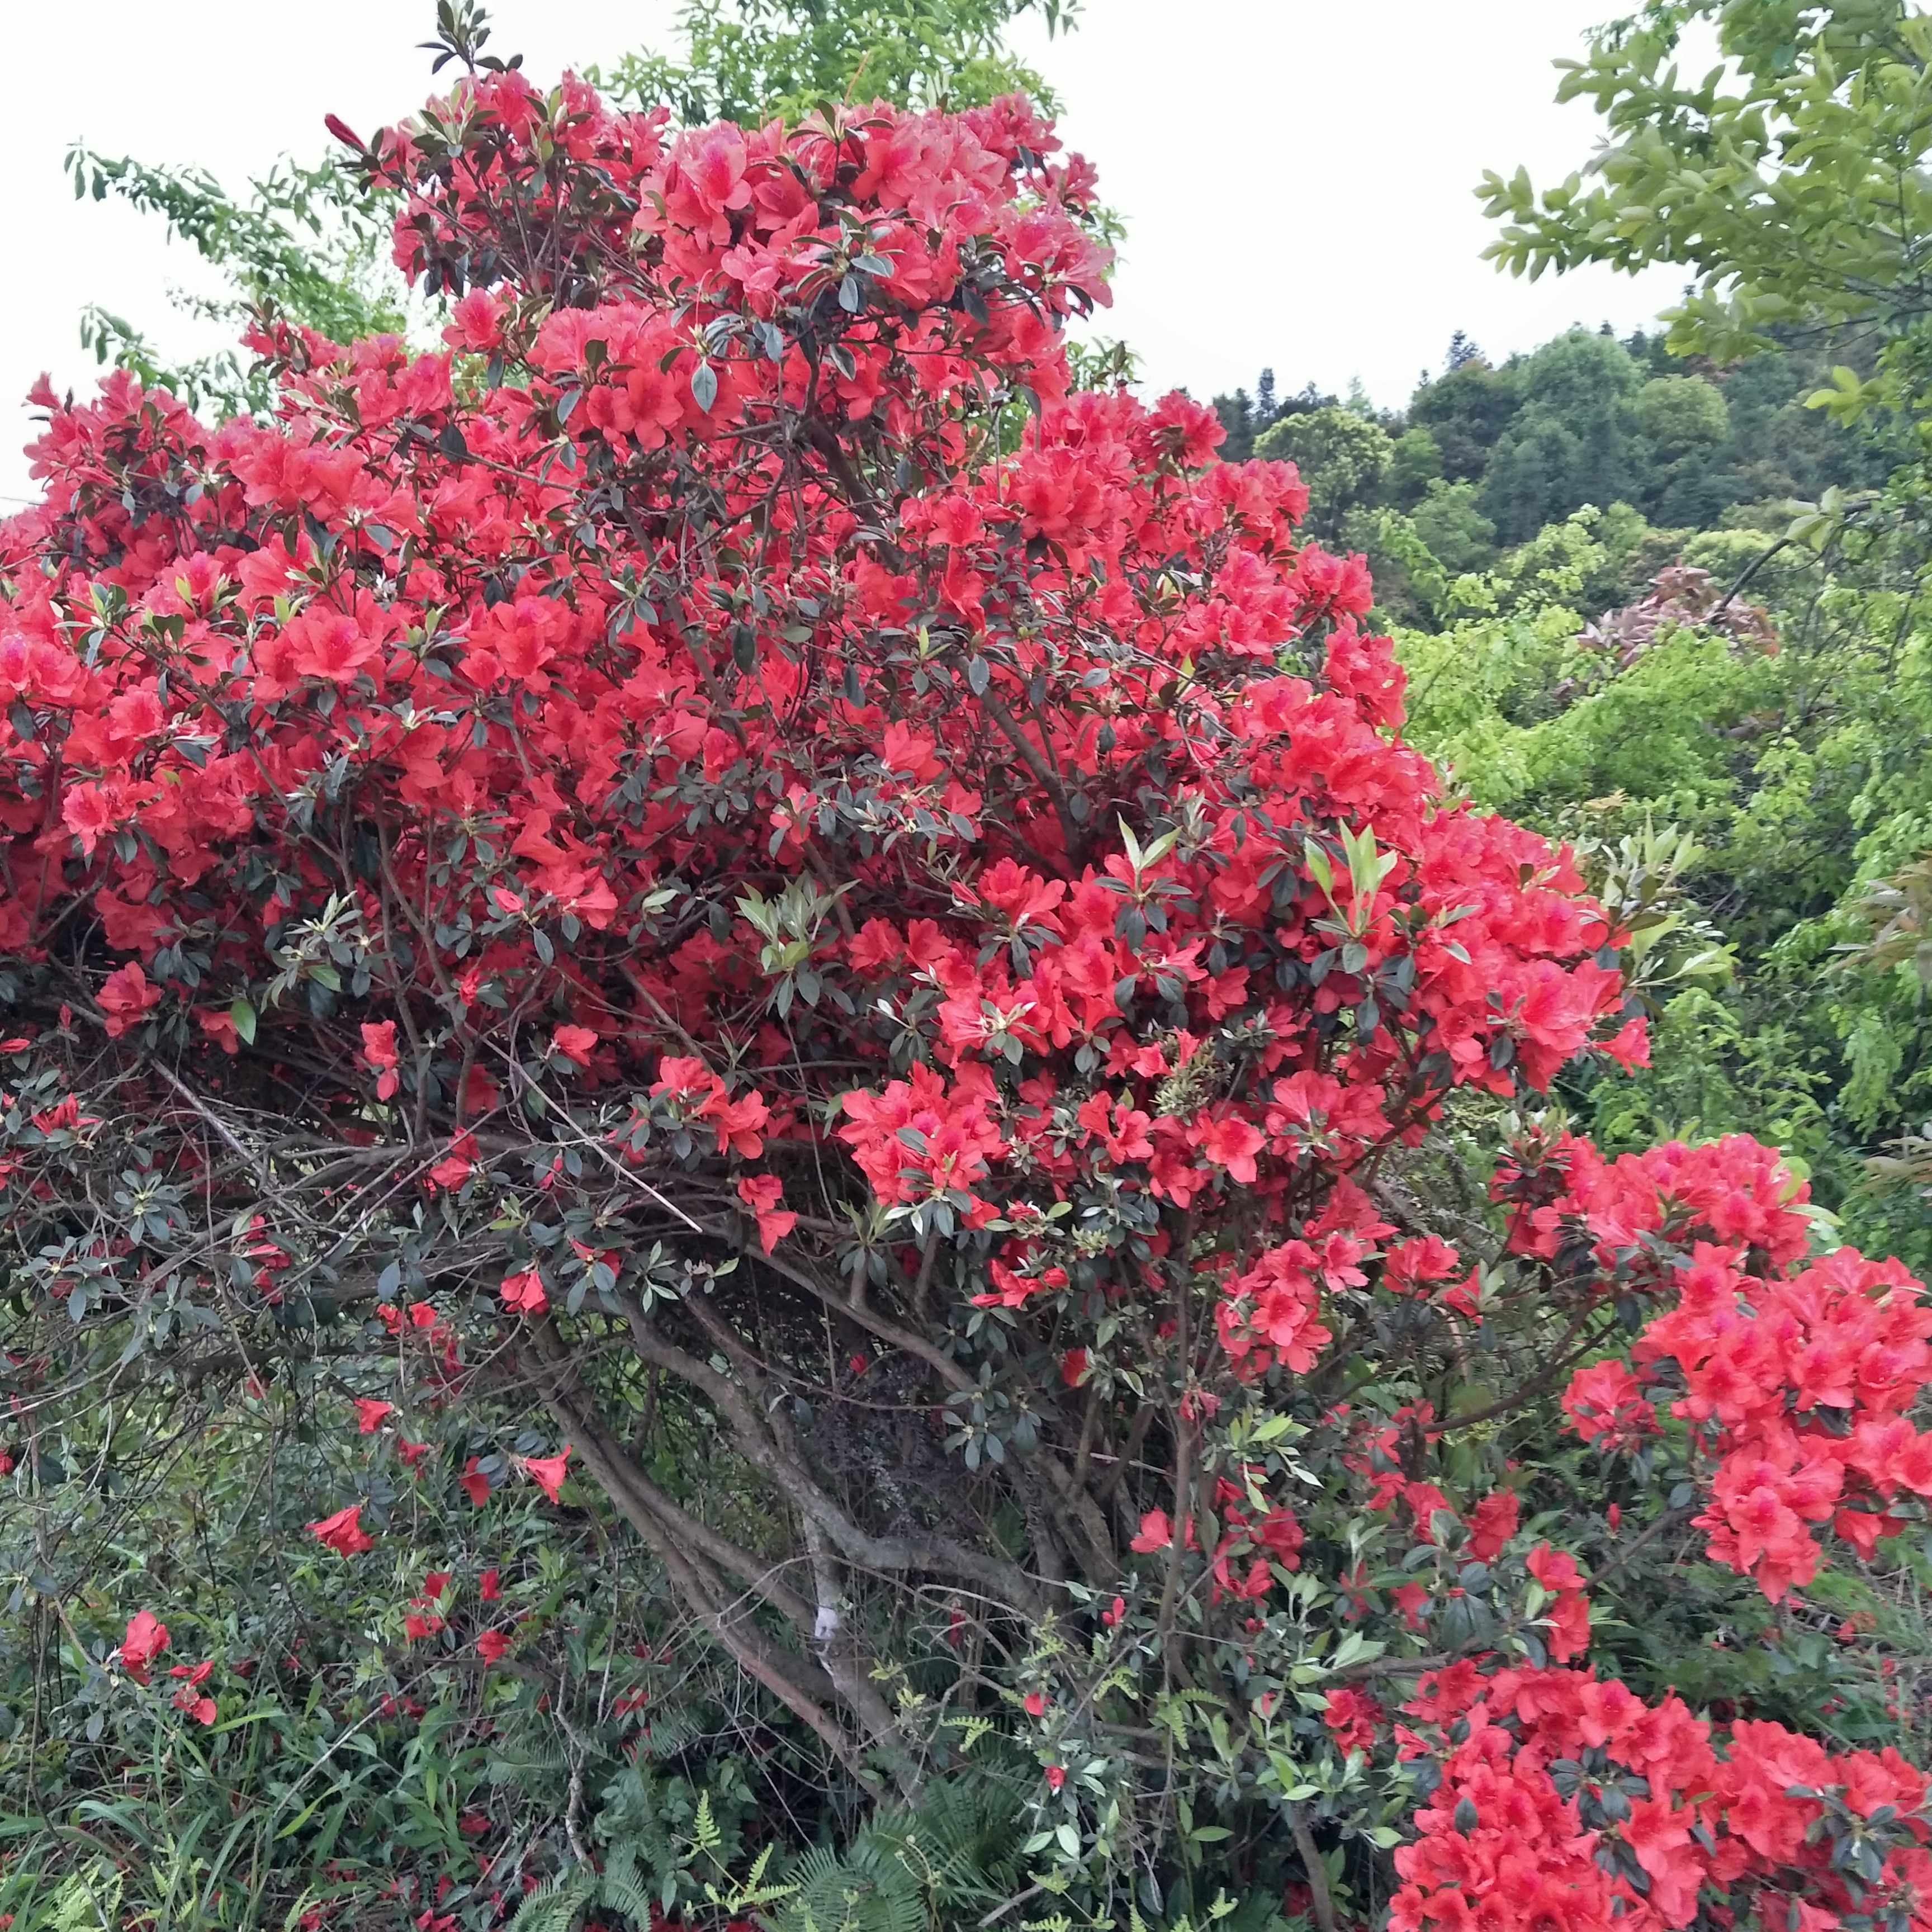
{"x": 1571, "y": 440}
{"x": 1344, "y": 457}
{"x": 1414, "y": 464}
{"x": 1466, "y": 410}
{"x": 1450, "y": 520}
{"x": 950, "y": 1860}
{"x": 1246, "y": 419}
{"x": 1484, "y": 457}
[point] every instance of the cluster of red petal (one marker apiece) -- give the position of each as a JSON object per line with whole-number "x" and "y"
{"x": 1565, "y": 1800}
{"x": 1797, "y": 1375}
{"x": 429, "y": 601}
{"x": 190, "y": 1698}
{"x": 146, "y": 1637}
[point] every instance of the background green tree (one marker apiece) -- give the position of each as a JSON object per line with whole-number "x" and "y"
{"x": 1569, "y": 442}
{"x": 1666, "y": 597}
{"x": 747, "y": 60}
{"x": 1344, "y": 457}
{"x": 1789, "y": 178}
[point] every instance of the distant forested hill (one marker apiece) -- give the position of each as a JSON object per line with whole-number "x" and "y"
{"x": 1484, "y": 456}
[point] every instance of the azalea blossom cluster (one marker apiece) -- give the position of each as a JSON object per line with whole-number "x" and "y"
{"x": 346, "y": 603}
{"x": 140, "y": 1649}
{"x": 1797, "y": 1375}
{"x": 1559, "y": 1797}
{"x": 729, "y": 821}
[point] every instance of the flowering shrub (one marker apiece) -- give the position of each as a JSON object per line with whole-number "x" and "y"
{"x": 731, "y": 857}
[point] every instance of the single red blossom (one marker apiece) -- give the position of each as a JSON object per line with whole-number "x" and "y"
{"x": 220, "y": 1027}
{"x": 575, "y": 1043}
{"x": 457, "y": 1165}
{"x": 379, "y": 1054}
{"x": 475, "y": 321}
{"x": 125, "y": 997}
{"x": 342, "y": 1532}
{"x": 1353, "y": 1717}
{"x": 197, "y": 1704}
{"x": 145, "y": 1639}
{"x": 1606, "y": 1405}
{"x": 762, "y": 1193}
{"x": 1409, "y": 1264}
{"x": 1556, "y": 1570}
{"x": 1232, "y": 1143}
{"x": 1492, "y": 1523}
{"x": 523, "y": 1292}
{"x": 1630, "y": 1046}
{"x": 1412, "y": 1601}
{"x": 547, "y": 1471}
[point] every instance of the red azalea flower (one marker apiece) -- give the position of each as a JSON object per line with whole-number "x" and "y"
{"x": 575, "y": 1043}
{"x": 523, "y": 1292}
{"x": 547, "y": 1471}
{"x": 761, "y": 1193}
{"x": 343, "y": 1532}
{"x": 125, "y": 997}
{"x": 146, "y": 1638}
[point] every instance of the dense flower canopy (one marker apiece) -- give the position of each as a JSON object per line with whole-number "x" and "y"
{"x": 731, "y": 799}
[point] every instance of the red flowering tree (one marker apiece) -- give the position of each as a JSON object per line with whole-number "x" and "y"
{"x": 726, "y": 859}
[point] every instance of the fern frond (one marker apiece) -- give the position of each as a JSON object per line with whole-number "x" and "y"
{"x": 622, "y": 1887}
{"x": 555, "y": 1905}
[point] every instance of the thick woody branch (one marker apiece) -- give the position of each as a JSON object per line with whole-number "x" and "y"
{"x": 801, "y": 1686}
{"x": 766, "y": 1442}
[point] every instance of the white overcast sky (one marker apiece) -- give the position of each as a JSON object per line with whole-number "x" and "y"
{"x": 1296, "y": 174}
